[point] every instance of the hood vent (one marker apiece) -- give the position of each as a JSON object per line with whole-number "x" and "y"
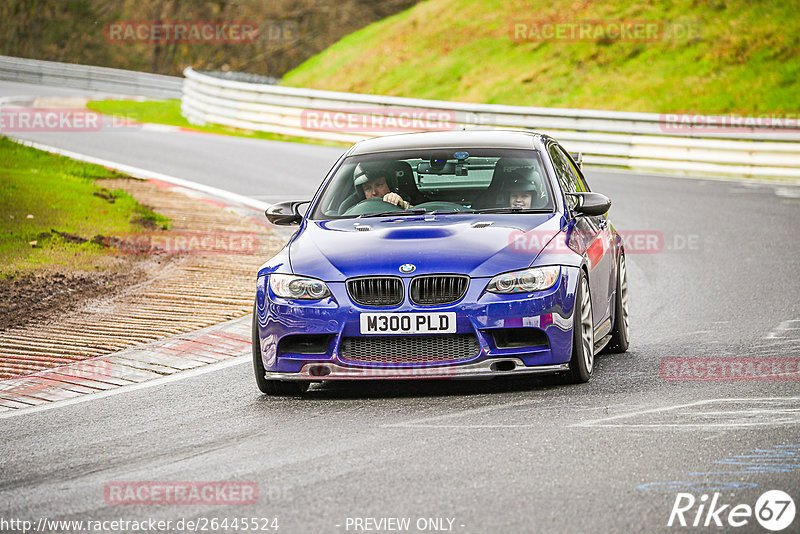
{"x": 482, "y": 224}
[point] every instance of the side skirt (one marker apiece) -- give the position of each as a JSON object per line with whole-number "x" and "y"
{"x": 601, "y": 343}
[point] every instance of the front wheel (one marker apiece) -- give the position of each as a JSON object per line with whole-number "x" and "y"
{"x": 620, "y": 333}
{"x": 272, "y": 388}
{"x": 581, "y": 364}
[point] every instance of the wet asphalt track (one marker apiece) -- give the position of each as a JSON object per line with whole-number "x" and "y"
{"x": 529, "y": 455}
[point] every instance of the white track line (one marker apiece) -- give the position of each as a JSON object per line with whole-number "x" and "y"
{"x": 138, "y": 172}
{"x": 238, "y": 360}
{"x": 470, "y": 411}
{"x": 604, "y": 422}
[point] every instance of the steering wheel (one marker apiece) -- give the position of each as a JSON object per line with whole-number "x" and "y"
{"x": 372, "y": 205}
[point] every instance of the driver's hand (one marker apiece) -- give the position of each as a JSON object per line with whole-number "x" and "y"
{"x": 394, "y": 198}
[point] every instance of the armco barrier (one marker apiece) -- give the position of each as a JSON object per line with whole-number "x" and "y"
{"x": 123, "y": 82}
{"x": 641, "y": 141}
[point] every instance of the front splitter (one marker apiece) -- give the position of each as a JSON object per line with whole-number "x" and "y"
{"x": 484, "y": 369}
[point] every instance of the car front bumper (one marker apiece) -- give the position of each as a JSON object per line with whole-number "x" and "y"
{"x": 479, "y": 313}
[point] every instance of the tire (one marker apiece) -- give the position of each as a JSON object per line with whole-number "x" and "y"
{"x": 620, "y": 335}
{"x": 581, "y": 364}
{"x": 273, "y": 388}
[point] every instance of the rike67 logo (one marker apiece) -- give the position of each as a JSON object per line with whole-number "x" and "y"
{"x": 774, "y": 510}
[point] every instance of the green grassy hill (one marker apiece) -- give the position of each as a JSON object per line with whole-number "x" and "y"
{"x": 711, "y": 56}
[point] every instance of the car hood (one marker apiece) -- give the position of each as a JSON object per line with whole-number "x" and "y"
{"x": 476, "y": 245}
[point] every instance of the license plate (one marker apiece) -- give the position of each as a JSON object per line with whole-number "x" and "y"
{"x": 408, "y": 323}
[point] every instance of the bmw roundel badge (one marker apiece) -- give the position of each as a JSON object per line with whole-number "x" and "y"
{"x": 407, "y": 268}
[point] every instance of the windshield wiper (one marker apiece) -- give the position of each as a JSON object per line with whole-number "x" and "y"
{"x": 512, "y": 209}
{"x": 451, "y": 212}
{"x": 412, "y": 211}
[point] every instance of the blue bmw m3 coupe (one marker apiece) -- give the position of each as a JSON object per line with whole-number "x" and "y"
{"x": 442, "y": 255}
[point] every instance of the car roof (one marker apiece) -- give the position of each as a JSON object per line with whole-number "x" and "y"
{"x": 449, "y": 139}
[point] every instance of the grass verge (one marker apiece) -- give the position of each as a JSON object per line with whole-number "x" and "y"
{"x": 169, "y": 112}
{"x": 51, "y": 209}
{"x": 716, "y": 56}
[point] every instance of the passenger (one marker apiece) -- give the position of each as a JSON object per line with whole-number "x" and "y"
{"x": 521, "y": 191}
{"x": 520, "y": 199}
{"x": 375, "y": 181}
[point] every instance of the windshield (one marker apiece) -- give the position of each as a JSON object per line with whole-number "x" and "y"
{"x": 441, "y": 181}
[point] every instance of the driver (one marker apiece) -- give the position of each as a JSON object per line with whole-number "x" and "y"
{"x": 373, "y": 181}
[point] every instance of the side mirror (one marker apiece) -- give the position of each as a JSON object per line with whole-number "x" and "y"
{"x": 285, "y": 213}
{"x": 577, "y": 157}
{"x": 592, "y": 204}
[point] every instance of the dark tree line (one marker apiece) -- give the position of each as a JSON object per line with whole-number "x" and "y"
{"x": 290, "y": 31}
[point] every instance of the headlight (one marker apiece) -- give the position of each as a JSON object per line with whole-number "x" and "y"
{"x": 289, "y": 286}
{"x": 525, "y": 281}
